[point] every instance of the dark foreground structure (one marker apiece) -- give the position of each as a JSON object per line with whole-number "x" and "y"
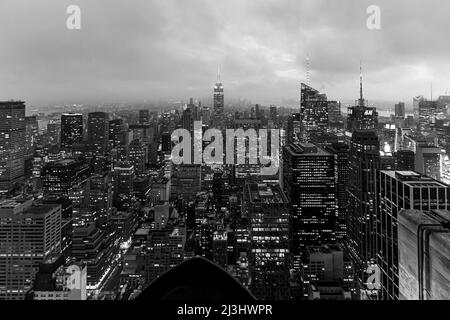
{"x": 196, "y": 279}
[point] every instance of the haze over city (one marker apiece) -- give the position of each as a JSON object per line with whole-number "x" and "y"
{"x": 160, "y": 50}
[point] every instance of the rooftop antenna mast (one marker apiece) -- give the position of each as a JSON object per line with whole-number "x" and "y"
{"x": 308, "y": 75}
{"x": 360, "y": 81}
{"x": 361, "y": 97}
{"x": 218, "y": 73}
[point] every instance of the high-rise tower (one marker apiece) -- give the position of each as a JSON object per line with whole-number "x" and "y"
{"x": 218, "y": 100}
{"x": 12, "y": 143}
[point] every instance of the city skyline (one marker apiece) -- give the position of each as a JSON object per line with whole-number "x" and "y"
{"x": 142, "y": 51}
{"x": 311, "y": 166}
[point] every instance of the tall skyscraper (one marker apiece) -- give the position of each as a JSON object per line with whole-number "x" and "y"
{"x": 427, "y": 113}
{"x": 165, "y": 251}
{"x": 309, "y": 181}
{"x": 123, "y": 184}
{"x": 361, "y": 116}
{"x": 138, "y": 155}
{"x": 218, "y": 100}
{"x": 12, "y": 144}
{"x": 54, "y": 131}
{"x": 98, "y": 131}
{"x": 397, "y": 190}
{"x": 99, "y": 194}
{"x": 364, "y": 161}
{"x": 335, "y": 119}
{"x": 28, "y": 235}
{"x": 188, "y": 120}
{"x": 268, "y": 211}
{"x": 71, "y": 129}
{"x": 313, "y": 111}
{"x": 400, "y": 110}
{"x": 341, "y": 154}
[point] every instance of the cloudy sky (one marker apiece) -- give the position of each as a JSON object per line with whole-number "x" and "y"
{"x": 136, "y": 50}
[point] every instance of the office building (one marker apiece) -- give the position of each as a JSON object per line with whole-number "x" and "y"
{"x": 400, "y": 110}
{"x": 341, "y": 155}
{"x": 397, "y": 190}
{"x": 405, "y": 160}
{"x": 95, "y": 248}
{"x": 57, "y": 281}
{"x": 62, "y": 177}
{"x": 12, "y": 144}
{"x": 268, "y": 210}
{"x": 98, "y": 131}
{"x": 71, "y": 129}
{"x": 313, "y": 111}
{"x": 218, "y": 102}
{"x": 309, "y": 181}
{"x": 326, "y": 267}
{"x": 427, "y": 161}
{"x": 423, "y": 253}
{"x": 29, "y": 234}
{"x": 164, "y": 252}
{"x": 123, "y": 185}
{"x": 364, "y": 161}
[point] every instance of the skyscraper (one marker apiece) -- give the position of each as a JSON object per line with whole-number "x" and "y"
{"x": 98, "y": 131}
{"x": 341, "y": 154}
{"x": 361, "y": 116}
{"x": 335, "y": 119}
{"x": 268, "y": 210}
{"x": 123, "y": 184}
{"x": 28, "y": 235}
{"x": 309, "y": 181}
{"x": 397, "y": 190}
{"x": 12, "y": 144}
{"x": 293, "y": 128}
{"x": 313, "y": 111}
{"x": 405, "y": 160}
{"x": 218, "y": 100}
{"x": 71, "y": 129}
{"x": 364, "y": 161}
{"x": 99, "y": 194}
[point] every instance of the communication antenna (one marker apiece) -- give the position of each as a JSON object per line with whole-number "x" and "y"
{"x": 218, "y": 73}
{"x": 308, "y": 75}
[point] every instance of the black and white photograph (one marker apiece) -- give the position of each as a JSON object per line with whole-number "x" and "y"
{"x": 224, "y": 159}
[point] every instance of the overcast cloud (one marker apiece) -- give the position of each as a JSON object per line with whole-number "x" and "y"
{"x": 167, "y": 49}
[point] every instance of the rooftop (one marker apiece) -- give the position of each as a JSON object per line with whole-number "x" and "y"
{"x": 306, "y": 149}
{"x": 266, "y": 193}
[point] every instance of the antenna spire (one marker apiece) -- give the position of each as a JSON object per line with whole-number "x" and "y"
{"x": 361, "y": 96}
{"x": 308, "y": 76}
{"x": 218, "y": 73}
{"x": 360, "y": 82}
